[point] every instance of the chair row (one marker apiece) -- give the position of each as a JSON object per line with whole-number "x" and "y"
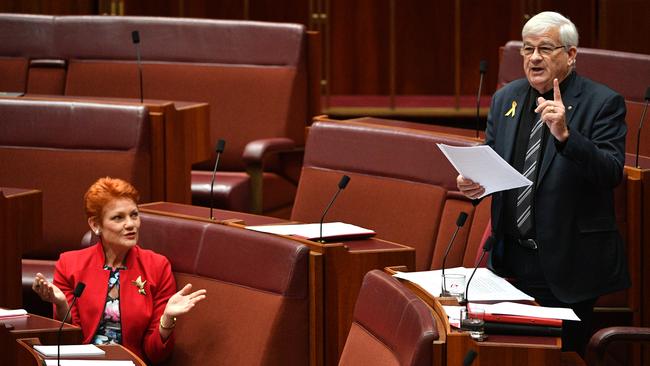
{"x": 231, "y": 65}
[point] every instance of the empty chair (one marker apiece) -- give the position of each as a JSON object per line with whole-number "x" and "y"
{"x": 392, "y": 326}
{"x": 402, "y": 186}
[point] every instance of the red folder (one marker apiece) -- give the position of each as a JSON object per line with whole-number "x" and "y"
{"x": 520, "y": 319}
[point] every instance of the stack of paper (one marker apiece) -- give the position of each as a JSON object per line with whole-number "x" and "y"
{"x": 485, "y": 286}
{"x": 77, "y": 350}
{"x": 6, "y": 313}
{"x": 89, "y": 363}
{"x": 331, "y": 230}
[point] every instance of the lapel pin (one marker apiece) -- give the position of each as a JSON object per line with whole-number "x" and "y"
{"x": 139, "y": 283}
{"x": 570, "y": 107}
{"x": 511, "y": 112}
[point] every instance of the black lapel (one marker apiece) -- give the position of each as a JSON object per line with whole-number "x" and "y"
{"x": 510, "y": 122}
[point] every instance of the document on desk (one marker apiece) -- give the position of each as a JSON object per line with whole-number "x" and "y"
{"x": 12, "y": 313}
{"x": 51, "y": 362}
{"x": 74, "y": 350}
{"x": 484, "y": 166}
{"x": 485, "y": 286}
{"x": 331, "y": 230}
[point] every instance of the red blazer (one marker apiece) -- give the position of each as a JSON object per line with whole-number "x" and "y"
{"x": 140, "y": 314}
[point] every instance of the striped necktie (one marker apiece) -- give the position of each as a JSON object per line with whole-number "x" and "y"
{"x": 525, "y": 194}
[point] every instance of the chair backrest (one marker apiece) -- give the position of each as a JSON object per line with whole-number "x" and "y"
{"x": 257, "y": 307}
{"x": 23, "y": 37}
{"x": 61, "y": 148}
{"x": 627, "y": 73}
{"x": 400, "y": 183}
{"x": 392, "y": 326}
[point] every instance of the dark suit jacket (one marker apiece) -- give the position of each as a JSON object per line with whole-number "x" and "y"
{"x": 140, "y": 314}
{"x": 580, "y": 249}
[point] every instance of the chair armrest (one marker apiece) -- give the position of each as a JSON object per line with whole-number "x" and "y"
{"x": 597, "y": 347}
{"x": 255, "y": 151}
{"x": 255, "y": 154}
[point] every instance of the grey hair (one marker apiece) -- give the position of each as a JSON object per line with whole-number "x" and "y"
{"x": 546, "y": 20}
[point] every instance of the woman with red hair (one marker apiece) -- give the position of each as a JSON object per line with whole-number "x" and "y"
{"x": 130, "y": 296}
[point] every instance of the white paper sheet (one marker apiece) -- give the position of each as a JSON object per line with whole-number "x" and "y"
{"x": 484, "y": 166}
{"x": 312, "y": 231}
{"x": 51, "y": 362}
{"x": 511, "y": 308}
{"x": 8, "y": 313}
{"x": 485, "y": 286}
{"x": 75, "y": 350}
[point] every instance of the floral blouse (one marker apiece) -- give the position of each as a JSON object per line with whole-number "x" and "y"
{"x": 110, "y": 327}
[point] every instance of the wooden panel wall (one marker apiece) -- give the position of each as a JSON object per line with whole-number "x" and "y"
{"x": 401, "y": 47}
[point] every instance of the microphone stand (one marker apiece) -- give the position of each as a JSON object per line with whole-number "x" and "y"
{"x": 342, "y": 184}
{"x": 135, "y": 36}
{"x": 482, "y": 70}
{"x": 76, "y": 294}
{"x": 460, "y": 221}
{"x": 221, "y": 145}
{"x": 638, "y": 132}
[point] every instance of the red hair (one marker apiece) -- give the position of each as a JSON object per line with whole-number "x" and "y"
{"x": 105, "y": 190}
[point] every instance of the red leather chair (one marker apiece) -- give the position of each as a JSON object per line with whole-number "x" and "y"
{"x": 391, "y": 327}
{"x": 257, "y": 308}
{"x": 61, "y": 148}
{"x": 402, "y": 186}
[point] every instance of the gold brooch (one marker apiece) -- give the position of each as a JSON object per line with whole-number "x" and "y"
{"x": 511, "y": 112}
{"x": 139, "y": 283}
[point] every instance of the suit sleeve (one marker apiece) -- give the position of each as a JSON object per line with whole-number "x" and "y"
{"x": 65, "y": 282}
{"x": 601, "y": 154}
{"x": 153, "y": 345}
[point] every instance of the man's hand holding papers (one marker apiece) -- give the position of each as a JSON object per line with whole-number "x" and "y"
{"x": 484, "y": 166}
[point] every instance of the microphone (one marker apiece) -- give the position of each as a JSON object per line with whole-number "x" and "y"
{"x": 638, "y": 132}
{"x": 469, "y": 357}
{"x": 460, "y": 221}
{"x": 342, "y": 184}
{"x": 75, "y": 294}
{"x": 221, "y": 145}
{"x": 482, "y": 69}
{"x": 489, "y": 243}
{"x": 135, "y": 36}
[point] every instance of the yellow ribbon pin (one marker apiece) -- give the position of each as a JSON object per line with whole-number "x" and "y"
{"x": 511, "y": 111}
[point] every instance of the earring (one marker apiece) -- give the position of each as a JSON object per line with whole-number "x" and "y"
{"x": 97, "y": 232}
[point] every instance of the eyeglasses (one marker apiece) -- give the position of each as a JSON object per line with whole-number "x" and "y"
{"x": 544, "y": 50}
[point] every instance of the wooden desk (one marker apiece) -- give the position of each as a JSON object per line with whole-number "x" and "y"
{"x": 336, "y": 273}
{"x": 180, "y": 136}
{"x": 27, "y": 356}
{"x": 21, "y": 218}
{"x": 33, "y": 326}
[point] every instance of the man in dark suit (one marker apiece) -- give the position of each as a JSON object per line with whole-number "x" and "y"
{"x": 557, "y": 239}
